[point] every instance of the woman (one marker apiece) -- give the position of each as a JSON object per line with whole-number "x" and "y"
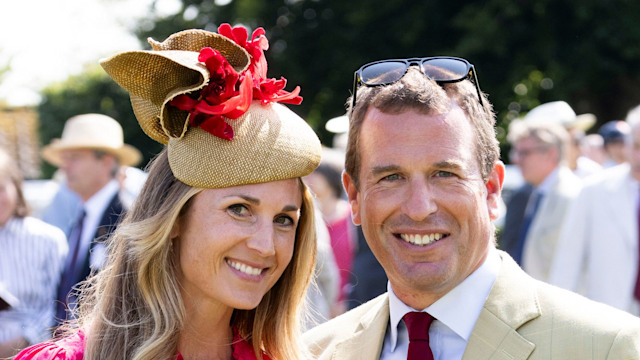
{"x": 31, "y": 261}
{"x": 214, "y": 258}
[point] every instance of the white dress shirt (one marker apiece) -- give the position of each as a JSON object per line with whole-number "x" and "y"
{"x": 95, "y": 208}
{"x": 456, "y": 314}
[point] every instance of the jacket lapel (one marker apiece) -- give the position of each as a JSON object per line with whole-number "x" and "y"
{"x": 511, "y": 303}
{"x": 366, "y": 342}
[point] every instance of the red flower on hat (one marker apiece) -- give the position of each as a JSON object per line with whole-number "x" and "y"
{"x": 266, "y": 90}
{"x": 229, "y": 94}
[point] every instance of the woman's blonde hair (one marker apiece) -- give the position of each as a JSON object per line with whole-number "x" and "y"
{"x": 133, "y": 309}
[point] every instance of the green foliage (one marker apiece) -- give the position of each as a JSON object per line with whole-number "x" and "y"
{"x": 526, "y": 52}
{"x": 91, "y": 92}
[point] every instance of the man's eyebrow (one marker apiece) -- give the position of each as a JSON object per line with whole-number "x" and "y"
{"x": 383, "y": 169}
{"x": 450, "y": 164}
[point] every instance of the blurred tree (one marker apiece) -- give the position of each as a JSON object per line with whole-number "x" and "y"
{"x": 526, "y": 52}
{"x": 90, "y": 92}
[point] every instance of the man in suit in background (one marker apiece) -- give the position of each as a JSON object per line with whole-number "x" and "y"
{"x": 598, "y": 248}
{"x": 536, "y": 211}
{"x": 90, "y": 153}
{"x": 423, "y": 177}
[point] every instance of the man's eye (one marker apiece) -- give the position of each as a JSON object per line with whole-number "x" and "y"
{"x": 444, "y": 174}
{"x": 239, "y": 209}
{"x": 391, "y": 177}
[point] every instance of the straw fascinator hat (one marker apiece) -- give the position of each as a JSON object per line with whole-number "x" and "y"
{"x": 206, "y": 96}
{"x": 92, "y": 131}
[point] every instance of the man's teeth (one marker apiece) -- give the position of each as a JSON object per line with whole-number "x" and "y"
{"x": 418, "y": 239}
{"x": 244, "y": 268}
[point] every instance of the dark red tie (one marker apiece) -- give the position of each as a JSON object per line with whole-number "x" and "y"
{"x": 418, "y": 326}
{"x": 636, "y": 291}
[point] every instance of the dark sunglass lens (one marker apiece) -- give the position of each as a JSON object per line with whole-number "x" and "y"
{"x": 383, "y": 73}
{"x": 445, "y": 69}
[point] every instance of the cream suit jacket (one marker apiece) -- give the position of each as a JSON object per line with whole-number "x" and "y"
{"x": 597, "y": 253}
{"x": 522, "y": 318}
{"x": 542, "y": 237}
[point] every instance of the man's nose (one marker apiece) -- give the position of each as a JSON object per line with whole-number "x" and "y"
{"x": 419, "y": 203}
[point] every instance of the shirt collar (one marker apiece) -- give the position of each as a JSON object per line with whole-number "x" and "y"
{"x": 459, "y": 308}
{"x": 100, "y": 200}
{"x": 547, "y": 184}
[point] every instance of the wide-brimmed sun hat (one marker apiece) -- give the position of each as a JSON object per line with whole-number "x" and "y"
{"x": 559, "y": 112}
{"x": 95, "y": 132}
{"x": 206, "y": 96}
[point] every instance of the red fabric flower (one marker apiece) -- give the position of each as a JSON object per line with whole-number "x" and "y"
{"x": 229, "y": 94}
{"x": 265, "y": 90}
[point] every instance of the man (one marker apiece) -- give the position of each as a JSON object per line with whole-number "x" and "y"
{"x": 90, "y": 154}
{"x": 423, "y": 177}
{"x": 598, "y": 247}
{"x": 613, "y": 135}
{"x": 536, "y": 211}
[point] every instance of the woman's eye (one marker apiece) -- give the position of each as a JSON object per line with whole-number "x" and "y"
{"x": 284, "y": 220}
{"x": 239, "y": 209}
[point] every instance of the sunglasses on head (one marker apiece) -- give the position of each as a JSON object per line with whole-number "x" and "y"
{"x": 441, "y": 69}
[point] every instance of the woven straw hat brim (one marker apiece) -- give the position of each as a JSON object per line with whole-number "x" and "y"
{"x": 196, "y": 39}
{"x": 271, "y": 143}
{"x": 154, "y": 77}
{"x": 127, "y": 155}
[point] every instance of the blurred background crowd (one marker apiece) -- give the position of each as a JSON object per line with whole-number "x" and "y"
{"x": 562, "y": 75}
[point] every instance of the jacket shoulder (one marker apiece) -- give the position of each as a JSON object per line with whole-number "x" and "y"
{"x": 322, "y": 339}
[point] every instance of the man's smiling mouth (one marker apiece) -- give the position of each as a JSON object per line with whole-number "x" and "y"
{"x": 422, "y": 239}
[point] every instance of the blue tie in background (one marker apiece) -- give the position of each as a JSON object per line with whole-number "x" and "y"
{"x": 68, "y": 279}
{"x": 530, "y": 213}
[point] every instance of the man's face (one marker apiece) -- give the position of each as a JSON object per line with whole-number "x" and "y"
{"x": 424, "y": 209}
{"x": 616, "y": 150}
{"x": 535, "y": 159}
{"x": 85, "y": 172}
{"x": 634, "y": 152}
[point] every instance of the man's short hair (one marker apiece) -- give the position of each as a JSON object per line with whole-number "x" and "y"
{"x": 548, "y": 134}
{"x": 418, "y": 93}
{"x": 99, "y": 154}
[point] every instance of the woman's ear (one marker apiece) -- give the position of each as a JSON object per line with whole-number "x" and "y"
{"x": 175, "y": 230}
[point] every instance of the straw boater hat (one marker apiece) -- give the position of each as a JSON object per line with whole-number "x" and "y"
{"x": 92, "y": 131}
{"x": 559, "y": 112}
{"x": 206, "y": 96}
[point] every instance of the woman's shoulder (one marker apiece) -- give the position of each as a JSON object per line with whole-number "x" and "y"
{"x": 69, "y": 348}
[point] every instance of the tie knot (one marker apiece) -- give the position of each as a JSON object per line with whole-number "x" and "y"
{"x": 418, "y": 325}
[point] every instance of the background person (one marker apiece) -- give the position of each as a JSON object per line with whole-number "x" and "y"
{"x": 613, "y": 135}
{"x": 536, "y": 211}
{"x": 325, "y": 182}
{"x": 598, "y": 248}
{"x": 90, "y": 153}
{"x": 214, "y": 258}
{"x": 423, "y": 177}
{"x": 31, "y": 261}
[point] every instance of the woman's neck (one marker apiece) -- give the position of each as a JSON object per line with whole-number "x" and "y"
{"x": 206, "y": 333}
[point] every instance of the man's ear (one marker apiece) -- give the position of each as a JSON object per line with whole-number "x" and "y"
{"x": 494, "y": 189}
{"x": 352, "y": 195}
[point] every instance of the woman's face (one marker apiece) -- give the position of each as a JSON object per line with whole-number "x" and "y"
{"x": 234, "y": 243}
{"x": 8, "y": 199}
